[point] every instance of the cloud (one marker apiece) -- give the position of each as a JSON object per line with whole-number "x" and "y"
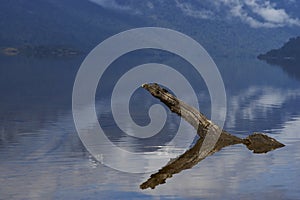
{"x": 255, "y": 13}
{"x": 239, "y": 12}
{"x": 111, "y": 4}
{"x": 260, "y": 13}
{"x": 189, "y": 10}
{"x": 268, "y": 13}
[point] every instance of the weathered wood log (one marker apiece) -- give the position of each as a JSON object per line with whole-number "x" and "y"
{"x": 257, "y": 142}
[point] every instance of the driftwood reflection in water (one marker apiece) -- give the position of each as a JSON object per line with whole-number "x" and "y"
{"x": 257, "y": 142}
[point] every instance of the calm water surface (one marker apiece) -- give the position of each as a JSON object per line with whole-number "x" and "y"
{"x": 42, "y": 157}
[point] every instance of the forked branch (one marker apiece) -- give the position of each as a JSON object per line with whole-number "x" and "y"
{"x": 257, "y": 142}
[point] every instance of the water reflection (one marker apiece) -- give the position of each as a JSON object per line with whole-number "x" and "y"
{"x": 41, "y": 156}
{"x": 291, "y": 67}
{"x": 257, "y": 104}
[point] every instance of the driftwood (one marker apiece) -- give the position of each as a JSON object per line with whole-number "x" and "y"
{"x": 257, "y": 142}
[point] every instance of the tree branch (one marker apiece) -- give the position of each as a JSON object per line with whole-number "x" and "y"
{"x": 257, "y": 142}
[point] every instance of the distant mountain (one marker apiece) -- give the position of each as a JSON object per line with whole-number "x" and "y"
{"x": 290, "y": 51}
{"x": 224, "y": 28}
{"x": 77, "y": 23}
{"x": 287, "y": 57}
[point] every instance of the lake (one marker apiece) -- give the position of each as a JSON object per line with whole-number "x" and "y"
{"x": 42, "y": 157}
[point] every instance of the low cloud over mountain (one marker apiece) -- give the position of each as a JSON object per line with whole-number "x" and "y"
{"x": 255, "y": 13}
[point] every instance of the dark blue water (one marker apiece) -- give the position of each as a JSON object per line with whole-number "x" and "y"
{"x": 42, "y": 157}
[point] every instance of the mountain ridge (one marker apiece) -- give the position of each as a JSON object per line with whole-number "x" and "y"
{"x": 289, "y": 51}
{"x": 84, "y": 24}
